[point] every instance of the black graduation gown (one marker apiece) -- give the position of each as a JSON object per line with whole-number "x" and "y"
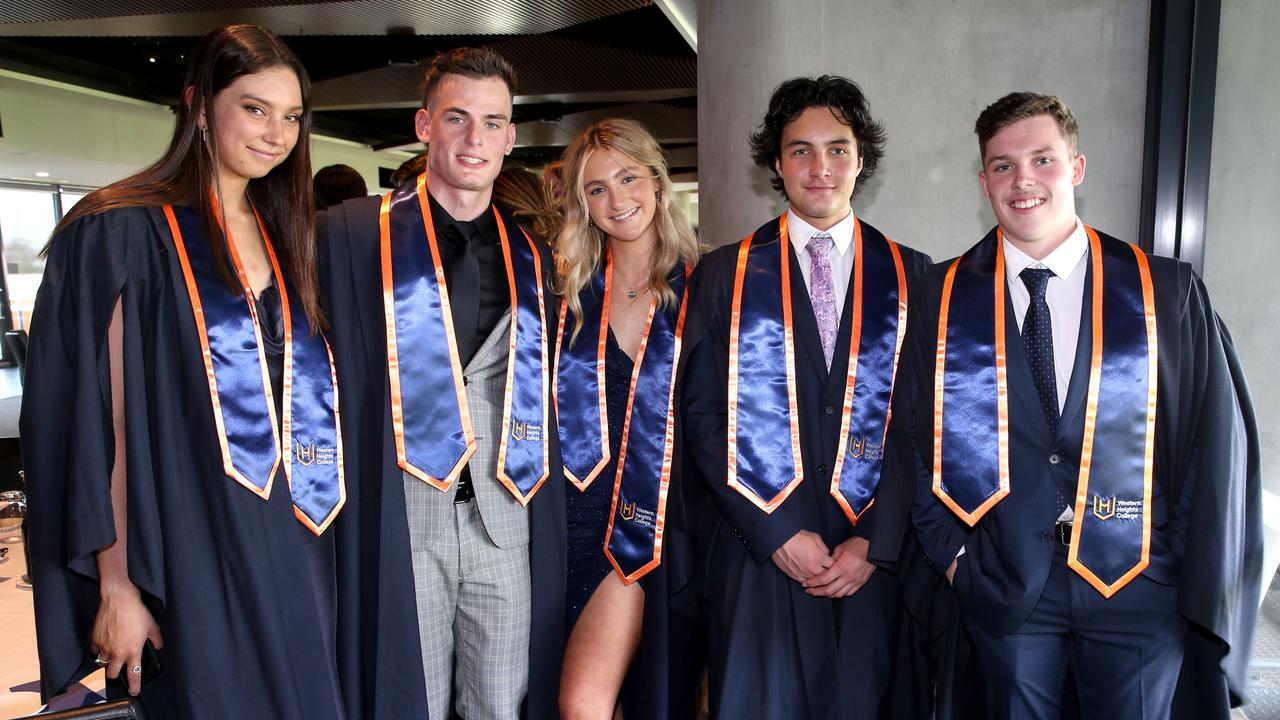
{"x": 1207, "y": 490}
{"x": 854, "y": 657}
{"x": 227, "y": 575}
{"x": 352, "y": 275}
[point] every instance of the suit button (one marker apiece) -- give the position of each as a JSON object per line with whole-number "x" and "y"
{"x": 822, "y": 469}
{"x": 829, "y": 410}
{"x": 1046, "y": 536}
{"x": 1054, "y": 460}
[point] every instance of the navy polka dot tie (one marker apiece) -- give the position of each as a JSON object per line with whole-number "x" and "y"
{"x": 1037, "y": 340}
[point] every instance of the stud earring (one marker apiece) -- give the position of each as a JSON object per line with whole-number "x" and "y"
{"x": 591, "y": 222}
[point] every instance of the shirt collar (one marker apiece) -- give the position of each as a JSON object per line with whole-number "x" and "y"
{"x": 1062, "y": 261}
{"x": 801, "y": 231}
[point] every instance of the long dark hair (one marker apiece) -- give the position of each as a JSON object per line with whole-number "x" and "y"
{"x": 185, "y": 173}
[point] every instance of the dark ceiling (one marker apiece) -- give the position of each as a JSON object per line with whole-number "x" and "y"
{"x": 578, "y": 60}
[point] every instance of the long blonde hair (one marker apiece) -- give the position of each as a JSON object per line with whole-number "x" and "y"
{"x": 580, "y": 245}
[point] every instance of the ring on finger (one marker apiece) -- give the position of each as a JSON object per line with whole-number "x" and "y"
{"x": 135, "y": 669}
{"x": 100, "y": 661}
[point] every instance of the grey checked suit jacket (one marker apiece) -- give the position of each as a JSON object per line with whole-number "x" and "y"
{"x": 430, "y": 510}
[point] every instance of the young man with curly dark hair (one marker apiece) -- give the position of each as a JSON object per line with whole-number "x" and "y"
{"x": 786, "y": 412}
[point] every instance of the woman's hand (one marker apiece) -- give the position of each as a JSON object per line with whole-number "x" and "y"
{"x": 122, "y": 626}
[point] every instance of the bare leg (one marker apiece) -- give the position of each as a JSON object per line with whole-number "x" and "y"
{"x": 600, "y": 649}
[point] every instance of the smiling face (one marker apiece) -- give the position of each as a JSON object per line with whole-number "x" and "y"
{"x": 256, "y": 121}
{"x": 1029, "y": 174}
{"x": 819, "y": 166}
{"x": 468, "y": 130}
{"x": 621, "y": 196}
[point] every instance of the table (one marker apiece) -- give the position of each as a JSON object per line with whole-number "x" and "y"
{"x": 19, "y": 668}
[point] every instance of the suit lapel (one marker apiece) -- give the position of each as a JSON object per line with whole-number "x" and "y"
{"x": 1021, "y": 384}
{"x": 501, "y": 334}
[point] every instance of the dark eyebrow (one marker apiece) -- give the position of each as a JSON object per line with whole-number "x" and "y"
{"x": 490, "y": 116}
{"x": 837, "y": 141}
{"x": 263, "y": 101}
{"x": 1006, "y": 158}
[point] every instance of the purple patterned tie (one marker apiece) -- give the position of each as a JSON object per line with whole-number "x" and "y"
{"x": 822, "y": 292}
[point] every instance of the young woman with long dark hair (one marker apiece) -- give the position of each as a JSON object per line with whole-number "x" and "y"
{"x": 180, "y": 423}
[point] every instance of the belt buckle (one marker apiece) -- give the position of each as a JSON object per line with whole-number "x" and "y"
{"x": 1063, "y": 530}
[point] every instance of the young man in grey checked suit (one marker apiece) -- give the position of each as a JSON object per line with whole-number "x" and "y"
{"x": 485, "y": 556}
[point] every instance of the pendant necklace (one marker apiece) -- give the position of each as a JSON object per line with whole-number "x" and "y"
{"x": 634, "y": 289}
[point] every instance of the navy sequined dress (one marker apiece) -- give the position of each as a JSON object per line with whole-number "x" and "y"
{"x": 588, "y": 512}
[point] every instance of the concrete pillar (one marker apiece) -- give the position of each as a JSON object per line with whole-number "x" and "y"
{"x": 928, "y": 68}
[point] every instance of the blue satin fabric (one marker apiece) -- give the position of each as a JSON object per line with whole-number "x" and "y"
{"x": 766, "y": 461}
{"x": 315, "y": 458}
{"x": 239, "y": 370}
{"x": 1111, "y": 547}
{"x": 523, "y": 463}
{"x": 583, "y": 426}
{"x": 877, "y": 361}
{"x": 634, "y": 542}
{"x": 434, "y": 438}
{"x": 314, "y": 465}
{"x": 970, "y": 408}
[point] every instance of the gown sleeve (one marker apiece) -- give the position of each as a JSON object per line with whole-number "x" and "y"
{"x": 67, "y": 433}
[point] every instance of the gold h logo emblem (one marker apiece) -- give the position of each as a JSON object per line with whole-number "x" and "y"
{"x": 306, "y": 454}
{"x": 518, "y": 428}
{"x": 1104, "y": 509}
{"x": 857, "y": 447}
{"x": 628, "y": 511}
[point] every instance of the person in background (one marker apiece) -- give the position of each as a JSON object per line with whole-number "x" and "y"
{"x": 787, "y": 398}
{"x": 624, "y": 259}
{"x": 1086, "y": 451}
{"x": 520, "y": 191}
{"x": 409, "y": 169}
{"x": 335, "y": 183}
{"x": 177, "y": 514}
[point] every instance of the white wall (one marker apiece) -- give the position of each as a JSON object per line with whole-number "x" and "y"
{"x": 928, "y": 68}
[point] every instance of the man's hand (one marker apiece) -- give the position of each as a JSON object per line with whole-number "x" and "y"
{"x": 803, "y": 556}
{"x": 849, "y": 571}
{"x": 951, "y": 571}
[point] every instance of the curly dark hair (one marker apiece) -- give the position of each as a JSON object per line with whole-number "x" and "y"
{"x": 845, "y": 100}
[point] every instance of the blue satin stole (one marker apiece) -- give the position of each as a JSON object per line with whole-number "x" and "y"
{"x": 633, "y": 540}
{"x": 307, "y": 441}
{"x": 1111, "y": 541}
{"x": 431, "y": 420}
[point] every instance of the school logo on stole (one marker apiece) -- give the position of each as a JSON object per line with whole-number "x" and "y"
{"x": 308, "y": 454}
{"x": 863, "y": 449}
{"x": 525, "y": 430}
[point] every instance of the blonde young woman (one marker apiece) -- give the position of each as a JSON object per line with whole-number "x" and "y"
{"x": 626, "y": 252}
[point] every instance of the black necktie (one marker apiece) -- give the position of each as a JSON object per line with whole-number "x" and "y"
{"x": 1037, "y": 340}
{"x": 464, "y": 287}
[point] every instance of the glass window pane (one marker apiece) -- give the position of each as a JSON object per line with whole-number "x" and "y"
{"x": 26, "y": 219}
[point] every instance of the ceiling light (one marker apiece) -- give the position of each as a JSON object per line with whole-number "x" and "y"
{"x": 41, "y": 173}
{"x": 151, "y": 59}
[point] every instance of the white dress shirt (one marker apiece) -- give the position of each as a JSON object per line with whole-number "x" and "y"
{"x": 840, "y": 257}
{"x": 1064, "y": 294}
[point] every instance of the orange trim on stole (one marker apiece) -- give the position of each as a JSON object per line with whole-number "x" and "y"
{"x": 511, "y": 367}
{"x": 602, "y": 405}
{"x": 790, "y": 354}
{"x": 851, "y": 376}
{"x": 207, "y": 355}
{"x": 393, "y": 347}
{"x": 1002, "y": 391}
{"x": 1091, "y": 416}
{"x": 668, "y": 443}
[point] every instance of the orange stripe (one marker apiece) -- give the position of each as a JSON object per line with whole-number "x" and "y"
{"x": 511, "y": 367}
{"x": 788, "y": 335}
{"x": 1091, "y": 415}
{"x": 207, "y": 356}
